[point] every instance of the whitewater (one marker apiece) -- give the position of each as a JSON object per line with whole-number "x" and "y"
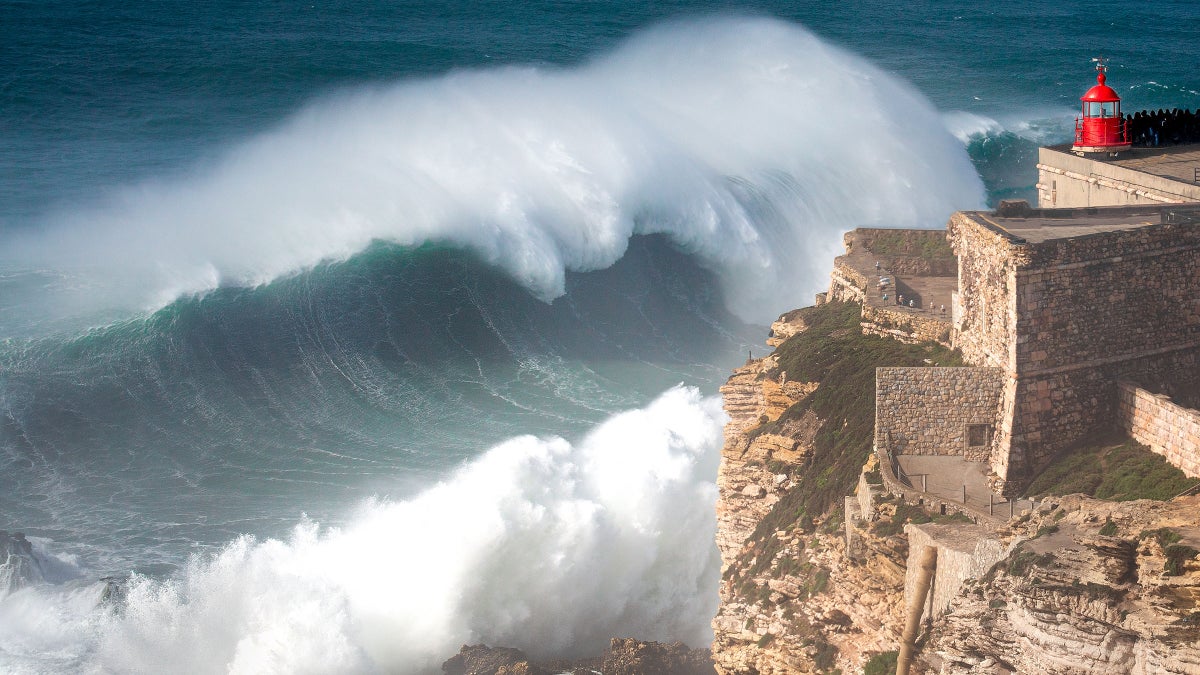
{"x": 391, "y": 254}
{"x": 746, "y": 142}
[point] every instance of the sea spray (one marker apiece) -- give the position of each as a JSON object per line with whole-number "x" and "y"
{"x": 747, "y": 141}
{"x": 539, "y": 543}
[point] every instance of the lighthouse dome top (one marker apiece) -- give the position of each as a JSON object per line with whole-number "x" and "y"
{"x": 1101, "y": 92}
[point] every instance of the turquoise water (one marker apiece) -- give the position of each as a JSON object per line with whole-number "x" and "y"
{"x": 338, "y": 323}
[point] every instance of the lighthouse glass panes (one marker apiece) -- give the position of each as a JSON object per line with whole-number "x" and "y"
{"x": 1102, "y": 109}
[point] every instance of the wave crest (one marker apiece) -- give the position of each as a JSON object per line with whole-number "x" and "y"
{"x": 749, "y": 142}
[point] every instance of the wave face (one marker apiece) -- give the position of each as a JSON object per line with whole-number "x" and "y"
{"x": 748, "y": 142}
{"x": 234, "y": 412}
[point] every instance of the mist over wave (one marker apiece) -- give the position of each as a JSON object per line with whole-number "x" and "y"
{"x": 747, "y": 141}
{"x": 538, "y": 543}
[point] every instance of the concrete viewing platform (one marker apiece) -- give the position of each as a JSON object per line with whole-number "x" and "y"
{"x": 1173, "y": 162}
{"x": 1161, "y": 175}
{"x": 883, "y": 267}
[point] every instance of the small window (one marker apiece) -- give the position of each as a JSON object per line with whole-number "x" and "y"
{"x": 979, "y": 435}
{"x": 1105, "y": 109}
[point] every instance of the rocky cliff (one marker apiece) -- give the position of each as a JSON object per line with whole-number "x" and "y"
{"x": 1082, "y": 585}
{"x": 1091, "y": 587}
{"x": 794, "y": 599}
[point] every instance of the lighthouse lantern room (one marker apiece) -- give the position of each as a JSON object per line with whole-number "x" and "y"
{"x": 1100, "y": 127}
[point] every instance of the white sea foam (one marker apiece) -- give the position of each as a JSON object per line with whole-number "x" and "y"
{"x": 966, "y": 125}
{"x": 539, "y": 543}
{"x": 1043, "y": 126}
{"x": 748, "y": 141}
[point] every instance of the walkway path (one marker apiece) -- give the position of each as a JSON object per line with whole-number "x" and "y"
{"x": 947, "y": 476}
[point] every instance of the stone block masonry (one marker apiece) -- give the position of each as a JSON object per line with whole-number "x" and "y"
{"x": 1067, "y": 302}
{"x": 937, "y": 411}
{"x": 1167, "y": 428}
{"x": 904, "y": 325}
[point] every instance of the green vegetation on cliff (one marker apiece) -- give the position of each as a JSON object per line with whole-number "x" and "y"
{"x": 834, "y": 352}
{"x": 1118, "y": 470}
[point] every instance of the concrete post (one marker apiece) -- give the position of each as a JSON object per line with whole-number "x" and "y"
{"x": 916, "y": 607}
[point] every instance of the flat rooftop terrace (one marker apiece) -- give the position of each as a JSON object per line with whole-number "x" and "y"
{"x": 1037, "y": 226}
{"x": 1173, "y": 162}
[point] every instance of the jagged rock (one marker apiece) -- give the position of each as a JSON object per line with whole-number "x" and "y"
{"x": 753, "y": 491}
{"x": 627, "y": 656}
{"x": 484, "y": 660}
{"x": 115, "y": 591}
{"x": 767, "y": 626}
{"x": 1078, "y": 601}
{"x": 19, "y": 566}
{"x": 785, "y": 327}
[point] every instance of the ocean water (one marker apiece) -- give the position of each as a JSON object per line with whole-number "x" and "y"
{"x": 341, "y": 335}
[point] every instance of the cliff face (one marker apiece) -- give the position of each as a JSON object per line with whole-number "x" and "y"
{"x": 792, "y": 601}
{"x": 1106, "y": 588}
{"x": 1082, "y": 585}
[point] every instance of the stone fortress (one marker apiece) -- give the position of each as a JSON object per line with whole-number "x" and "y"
{"x": 1079, "y": 316}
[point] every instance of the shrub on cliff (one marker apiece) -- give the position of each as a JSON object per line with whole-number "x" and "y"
{"x": 833, "y": 352}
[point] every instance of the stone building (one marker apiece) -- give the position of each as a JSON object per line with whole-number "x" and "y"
{"x": 1067, "y": 303}
{"x": 1079, "y": 317}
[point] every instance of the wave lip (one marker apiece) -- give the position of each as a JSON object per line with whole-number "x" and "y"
{"x": 748, "y": 141}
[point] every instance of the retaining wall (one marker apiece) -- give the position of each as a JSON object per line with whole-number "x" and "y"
{"x": 927, "y": 411}
{"x": 1166, "y": 427}
{"x": 964, "y": 552}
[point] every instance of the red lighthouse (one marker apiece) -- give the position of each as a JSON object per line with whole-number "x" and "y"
{"x": 1100, "y": 128}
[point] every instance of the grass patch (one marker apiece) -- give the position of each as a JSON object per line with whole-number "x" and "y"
{"x": 1109, "y": 529}
{"x": 1165, "y": 536}
{"x": 1177, "y": 555}
{"x": 1021, "y": 563}
{"x": 883, "y": 663}
{"x": 904, "y": 244}
{"x": 1045, "y": 530}
{"x": 905, "y": 513}
{"x": 1117, "y": 472}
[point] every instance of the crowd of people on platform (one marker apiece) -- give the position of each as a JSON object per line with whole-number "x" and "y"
{"x": 1152, "y": 128}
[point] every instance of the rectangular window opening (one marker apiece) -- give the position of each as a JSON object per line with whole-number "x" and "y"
{"x": 979, "y": 435}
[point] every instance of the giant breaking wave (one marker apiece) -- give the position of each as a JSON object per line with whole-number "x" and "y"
{"x": 749, "y": 142}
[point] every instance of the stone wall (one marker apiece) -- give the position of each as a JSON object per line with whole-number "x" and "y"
{"x": 1065, "y": 318}
{"x": 846, "y": 284}
{"x": 1091, "y": 310}
{"x": 1169, "y": 429}
{"x": 1108, "y": 296}
{"x": 908, "y": 326}
{"x": 964, "y": 552}
{"x": 927, "y": 411}
{"x": 986, "y": 321}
